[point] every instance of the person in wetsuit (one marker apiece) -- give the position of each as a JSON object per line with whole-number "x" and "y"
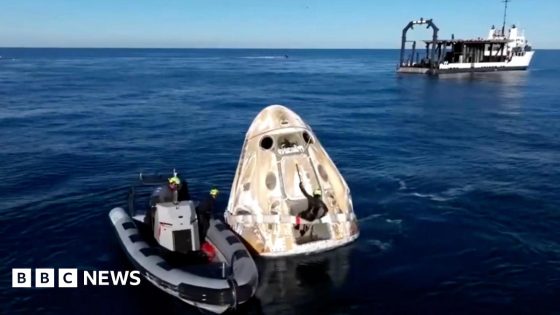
{"x": 316, "y": 208}
{"x": 204, "y": 213}
{"x": 184, "y": 191}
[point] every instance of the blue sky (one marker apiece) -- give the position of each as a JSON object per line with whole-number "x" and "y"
{"x": 260, "y": 23}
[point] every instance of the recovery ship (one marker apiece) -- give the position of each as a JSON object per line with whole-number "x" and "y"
{"x": 501, "y": 50}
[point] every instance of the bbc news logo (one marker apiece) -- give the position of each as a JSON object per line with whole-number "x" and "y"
{"x": 69, "y": 278}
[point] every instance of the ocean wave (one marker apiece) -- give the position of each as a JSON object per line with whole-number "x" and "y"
{"x": 447, "y": 195}
{"x": 369, "y": 217}
{"x": 402, "y": 185}
{"x": 265, "y": 57}
{"x": 378, "y": 244}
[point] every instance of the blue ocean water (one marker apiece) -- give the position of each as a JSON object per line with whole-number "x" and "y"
{"x": 455, "y": 179}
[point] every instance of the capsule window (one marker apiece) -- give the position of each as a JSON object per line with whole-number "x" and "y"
{"x": 241, "y": 211}
{"x": 288, "y": 141}
{"x": 270, "y": 181}
{"x": 323, "y": 172}
{"x": 266, "y": 143}
{"x": 307, "y": 138}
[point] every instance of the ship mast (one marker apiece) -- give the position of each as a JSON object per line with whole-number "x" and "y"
{"x": 505, "y": 15}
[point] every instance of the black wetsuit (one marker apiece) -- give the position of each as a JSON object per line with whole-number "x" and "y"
{"x": 316, "y": 208}
{"x": 184, "y": 191}
{"x": 204, "y": 213}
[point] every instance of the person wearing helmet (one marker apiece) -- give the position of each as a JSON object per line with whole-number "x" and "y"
{"x": 165, "y": 193}
{"x": 204, "y": 212}
{"x": 174, "y": 182}
{"x": 316, "y": 208}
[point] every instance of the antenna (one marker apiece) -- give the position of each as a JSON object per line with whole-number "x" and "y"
{"x": 505, "y": 15}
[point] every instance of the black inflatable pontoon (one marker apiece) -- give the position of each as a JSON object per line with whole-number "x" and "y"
{"x": 230, "y": 279}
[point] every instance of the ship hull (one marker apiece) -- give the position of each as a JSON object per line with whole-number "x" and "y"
{"x": 517, "y": 63}
{"x": 413, "y": 70}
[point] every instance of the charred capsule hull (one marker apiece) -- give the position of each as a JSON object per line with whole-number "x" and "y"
{"x": 279, "y": 152}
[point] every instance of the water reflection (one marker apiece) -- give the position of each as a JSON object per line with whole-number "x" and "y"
{"x": 292, "y": 285}
{"x": 497, "y": 76}
{"x": 504, "y": 91}
{"x": 507, "y": 84}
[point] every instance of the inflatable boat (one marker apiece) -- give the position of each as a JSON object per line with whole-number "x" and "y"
{"x": 280, "y": 154}
{"x": 168, "y": 254}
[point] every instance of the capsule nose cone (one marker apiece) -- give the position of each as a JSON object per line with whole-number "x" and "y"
{"x": 274, "y": 117}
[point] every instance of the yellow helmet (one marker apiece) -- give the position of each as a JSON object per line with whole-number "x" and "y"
{"x": 174, "y": 180}
{"x": 317, "y": 192}
{"x": 214, "y": 192}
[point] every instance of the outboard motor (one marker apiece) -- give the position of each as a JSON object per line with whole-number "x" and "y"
{"x": 176, "y": 226}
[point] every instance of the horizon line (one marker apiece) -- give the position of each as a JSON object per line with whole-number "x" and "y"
{"x": 231, "y": 48}
{"x": 223, "y": 48}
